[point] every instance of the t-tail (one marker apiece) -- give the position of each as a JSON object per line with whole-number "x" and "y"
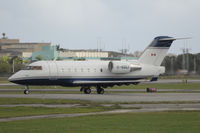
{"x": 157, "y": 50}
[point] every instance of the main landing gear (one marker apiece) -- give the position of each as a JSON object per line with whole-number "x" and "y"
{"x": 26, "y": 91}
{"x": 87, "y": 90}
{"x": 100, "y": 90}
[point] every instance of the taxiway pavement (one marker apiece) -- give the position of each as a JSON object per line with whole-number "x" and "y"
{"x": 106, "y": 90}
{"x": 116, "y": 97}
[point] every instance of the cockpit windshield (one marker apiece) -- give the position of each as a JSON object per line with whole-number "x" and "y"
{"x": 33, "y": 68}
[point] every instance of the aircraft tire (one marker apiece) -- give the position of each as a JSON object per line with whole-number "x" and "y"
{"x": 87, "y": 90}
{"x": 100, "y": 91}
{"x": 81, "y": 89}
{"x": 26, "y": 92}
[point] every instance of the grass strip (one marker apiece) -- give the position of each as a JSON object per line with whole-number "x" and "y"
{"x": 6, "y": 112}
{"x": 4, "y": 101}
{"x": 154, "y": 122}
{"x": 8, "y": 101}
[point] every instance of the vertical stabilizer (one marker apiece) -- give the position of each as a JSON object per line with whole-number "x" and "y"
{"x": 156, "y": 51}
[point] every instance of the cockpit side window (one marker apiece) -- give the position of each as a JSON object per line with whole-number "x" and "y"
{"x": 33, "y": 68}
{"x": 37, "y": 68}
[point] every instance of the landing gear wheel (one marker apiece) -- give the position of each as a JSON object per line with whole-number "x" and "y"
{"x": 87, "y": 90}
{"x": 100, "y": 90}
{"x": 81, "y": 89}
{"x": 26, "y": 92}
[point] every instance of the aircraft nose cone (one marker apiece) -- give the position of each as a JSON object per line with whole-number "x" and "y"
{"x": 17, "y": 78}
{"x": 10, "y": 79}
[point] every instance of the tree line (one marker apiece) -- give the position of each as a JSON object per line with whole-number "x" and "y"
{"x": 189, "y": 62}
{"x": 9, "y": 65}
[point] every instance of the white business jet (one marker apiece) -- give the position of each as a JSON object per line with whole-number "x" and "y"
{"x": 99, "y": 74}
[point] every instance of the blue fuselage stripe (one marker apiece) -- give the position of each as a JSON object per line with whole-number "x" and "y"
{"x": 66, "y": 81}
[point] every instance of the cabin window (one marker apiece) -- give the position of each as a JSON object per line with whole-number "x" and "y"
{"x": 88, "y": 69}
{"x": 33, "y": 68}
{"x": 101, "y": 70}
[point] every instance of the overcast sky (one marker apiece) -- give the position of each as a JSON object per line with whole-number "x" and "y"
{"x": 107, "y": 24}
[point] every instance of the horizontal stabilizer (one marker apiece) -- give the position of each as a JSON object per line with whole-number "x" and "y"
{"x": 168, "y": 39}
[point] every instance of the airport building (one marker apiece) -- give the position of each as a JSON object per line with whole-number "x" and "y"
{"x": 34, "y": 51}
{"x": 13, "y": 47}
{"x": 47, "y": 53}
{"x": 88, "y": 54}
{"x": 53, "y": 53}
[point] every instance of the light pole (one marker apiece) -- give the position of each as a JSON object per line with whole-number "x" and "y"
{"x": 13, "y": 63}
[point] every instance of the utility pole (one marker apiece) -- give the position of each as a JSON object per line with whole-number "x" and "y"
{"x": 13, "y": 65}
{"x": 124, "y": 49}
{"x": 172, "y": 65}
{"x": 194, "y": 65}
{"x": 183, "y": 59}
{"x": 187, "y": 58}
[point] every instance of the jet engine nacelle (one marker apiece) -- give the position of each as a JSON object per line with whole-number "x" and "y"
{"x": 122, "y": 67}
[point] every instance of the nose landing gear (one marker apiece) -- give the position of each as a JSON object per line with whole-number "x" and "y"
{"x": 26, "y": 91}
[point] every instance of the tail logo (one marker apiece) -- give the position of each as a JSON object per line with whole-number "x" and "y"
{"x": 153, "y": 54}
